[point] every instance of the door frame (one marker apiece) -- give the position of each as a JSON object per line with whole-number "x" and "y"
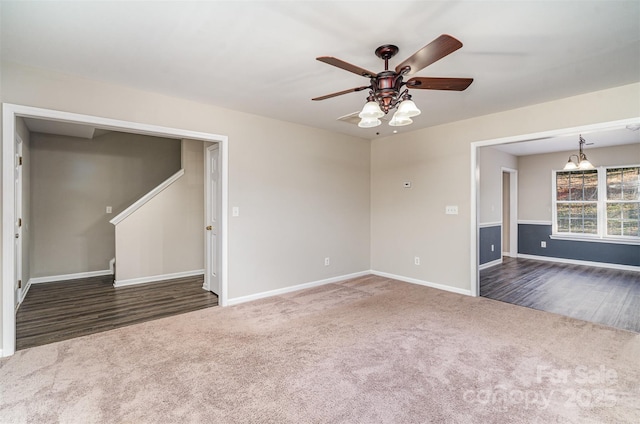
{"x": 513, "y": 212}
{"x": 475, "y": 179}
{"x": 9, "y": 114}
{"x": 18, "y": 214}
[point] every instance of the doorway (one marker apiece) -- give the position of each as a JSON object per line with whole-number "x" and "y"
{"x": 541, "y": 138}
{"x": 10, "y": 255}
{"x": 596, "y": 290}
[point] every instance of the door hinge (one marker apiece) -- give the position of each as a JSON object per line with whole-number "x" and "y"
{"x": 20, "y": 160}
{"x": 19, "y": 222}
{"x": 19, "y": 284}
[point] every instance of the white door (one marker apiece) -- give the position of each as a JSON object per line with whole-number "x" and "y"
{"x": 212, "y": 220}
{"x": 18, "y": 224}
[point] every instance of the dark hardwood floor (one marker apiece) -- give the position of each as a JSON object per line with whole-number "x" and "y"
{"x": 606, "y": 296}
{"x": 62, "y": 310}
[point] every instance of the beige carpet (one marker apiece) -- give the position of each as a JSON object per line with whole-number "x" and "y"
{"x": 369, "y": 350}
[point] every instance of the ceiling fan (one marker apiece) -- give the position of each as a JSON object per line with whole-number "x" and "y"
{"x": 386, "y": 88}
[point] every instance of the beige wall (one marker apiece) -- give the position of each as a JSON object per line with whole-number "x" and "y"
{"x": 535, "y": 173}
{"x": 74, "y": 180}
{"x": 411, "y": 222}
{"x": 490, "y": 162}
{"x": 303, "y": 195}
{"x": 165, "y": 236}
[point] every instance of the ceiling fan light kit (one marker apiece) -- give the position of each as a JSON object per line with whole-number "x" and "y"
{"x": 388, "y": 90}
{"x": 371, "y": 109}
{"x": 408, "y": 108}
{"x": 400, "y": 121}
{"x": 369, "y": 122}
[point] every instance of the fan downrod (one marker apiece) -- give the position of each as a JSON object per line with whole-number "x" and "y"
{"x": 386, "y": 52}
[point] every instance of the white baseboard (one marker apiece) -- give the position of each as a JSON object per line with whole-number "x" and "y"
{"x": 262, "y": 295}
{"x": 55, "y": 278}
{"x": 155, "y": 278}
{"x": 112, "y": 265}
{"x": 490, "y": 264}
{"x": 578, "y": 262}
{"x": 423, "y": 283}
{"x": 24, "y": 292}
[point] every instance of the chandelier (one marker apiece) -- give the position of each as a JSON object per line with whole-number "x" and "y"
{"x": 581, "y": 163}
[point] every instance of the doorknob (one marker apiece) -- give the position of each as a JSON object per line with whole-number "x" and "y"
{"x": 209, "y": 228}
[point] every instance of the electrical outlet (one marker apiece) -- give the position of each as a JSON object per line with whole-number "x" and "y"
{"x": 493, "y": 248}
{"x": 327, "y": 261}
{"x": 416, "y": 260}
{"x": 109, "y": 209}
{"x": 543, "y": 244}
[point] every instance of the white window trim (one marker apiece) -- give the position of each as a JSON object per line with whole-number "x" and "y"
{"x": 601, "y": 236}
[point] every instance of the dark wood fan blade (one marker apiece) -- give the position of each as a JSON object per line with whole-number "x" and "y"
{"x": 432, "y": 52}
{"x": 431, "y": 83}
{"x": 346, "y": 66}
{"x": 340, "y": 93}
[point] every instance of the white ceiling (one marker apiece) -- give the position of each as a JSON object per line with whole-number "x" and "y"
{"x": 259, "y": 56}
{"x": 570, "y": 142}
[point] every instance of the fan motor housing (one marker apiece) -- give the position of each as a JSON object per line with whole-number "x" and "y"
{"x": 386, "y": 88}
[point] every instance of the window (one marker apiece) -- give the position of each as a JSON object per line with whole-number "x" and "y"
{"x": 598, "y": 203}
{"x": 623, "y": 201}
{"x": 577, "y": 202}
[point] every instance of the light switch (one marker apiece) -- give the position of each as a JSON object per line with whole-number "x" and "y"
{"x": 451, "y": 210}
{"x": 109, "y": 209}
{"x": 235, "y": 211}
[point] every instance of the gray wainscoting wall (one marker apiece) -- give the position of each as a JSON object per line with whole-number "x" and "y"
{"x": 530, "y": 236}
{"x": 490, "y": 236}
